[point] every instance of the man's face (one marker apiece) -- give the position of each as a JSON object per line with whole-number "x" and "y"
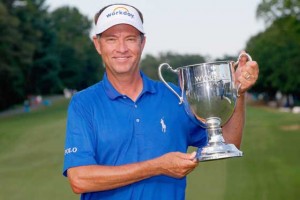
{"x": 121, "y": 47}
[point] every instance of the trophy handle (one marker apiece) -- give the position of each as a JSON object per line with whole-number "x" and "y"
{"x": 163, "y": 80}
{"x": 236, "y": 64}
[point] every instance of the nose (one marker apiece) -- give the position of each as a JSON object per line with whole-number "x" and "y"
{"x": 122, "y": 46}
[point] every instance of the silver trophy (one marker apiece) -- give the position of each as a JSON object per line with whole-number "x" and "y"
{"x": 209, "y": 94}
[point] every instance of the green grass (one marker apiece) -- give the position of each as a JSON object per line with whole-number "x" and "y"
{"x": 269, "y": 169}
{"x": 31, "y": 157}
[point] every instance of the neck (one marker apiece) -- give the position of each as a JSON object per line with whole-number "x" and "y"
{"x": 129, "y": 85}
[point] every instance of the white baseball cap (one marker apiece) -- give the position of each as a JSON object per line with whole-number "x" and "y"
{"x": 118, "y": 14}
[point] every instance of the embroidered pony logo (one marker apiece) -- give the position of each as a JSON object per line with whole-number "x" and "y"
{"x": 163, "y": 125}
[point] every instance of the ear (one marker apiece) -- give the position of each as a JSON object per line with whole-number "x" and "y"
{"x": 97, "y": 44}
{"x": 143, "y": 43}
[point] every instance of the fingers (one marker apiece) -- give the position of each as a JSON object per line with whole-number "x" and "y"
{"x": 177, "y": 164}
{"x": 248, "y": 76}
{"x": 190, "y": 156}
{"x": 193, "y": 156}
{"x": 250, "y": 71}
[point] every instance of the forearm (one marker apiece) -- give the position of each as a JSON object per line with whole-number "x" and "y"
{"x": 246, "y": 76}
{"x": 98, "y": 177}
{"x": 233, "y": 129}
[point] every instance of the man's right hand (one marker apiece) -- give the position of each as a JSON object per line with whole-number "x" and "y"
{"x": 177, "y": 164}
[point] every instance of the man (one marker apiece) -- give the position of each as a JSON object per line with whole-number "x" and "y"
{"x": 127, "y": 136}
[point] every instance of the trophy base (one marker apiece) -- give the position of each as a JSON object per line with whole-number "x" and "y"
{"x": 218, "y": 151}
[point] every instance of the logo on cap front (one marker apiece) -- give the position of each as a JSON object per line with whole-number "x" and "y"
{"x": 119, "y": 14}
{"x": 120, "y": 11}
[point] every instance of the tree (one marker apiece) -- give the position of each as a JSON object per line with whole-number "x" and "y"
{"x": 150, "y": 64}
{"x": 12, "y": 79}
{"x": 80, "y": 63}
{"x": 42, "y": 52}
{"x": 38, "y": 65}
{"x": 277, "y": 51}
{"x": 271, "y": 10}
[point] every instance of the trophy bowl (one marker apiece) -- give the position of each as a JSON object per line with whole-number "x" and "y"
{"x": 209, "y": 94}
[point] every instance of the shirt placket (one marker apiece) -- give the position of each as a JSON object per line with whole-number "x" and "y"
{"x": 138, "y": 129}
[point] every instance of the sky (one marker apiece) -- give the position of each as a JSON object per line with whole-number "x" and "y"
{"x": 211, "y": 28}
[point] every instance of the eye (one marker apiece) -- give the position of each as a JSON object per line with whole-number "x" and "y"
{"x": 132, "y": 39}
{"x": 110, "y": 39}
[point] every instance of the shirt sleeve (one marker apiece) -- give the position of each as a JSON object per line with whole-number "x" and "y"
{"x": 80, "y": 139}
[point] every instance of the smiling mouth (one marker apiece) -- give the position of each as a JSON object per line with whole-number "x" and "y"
{"x": 122, "y": 58}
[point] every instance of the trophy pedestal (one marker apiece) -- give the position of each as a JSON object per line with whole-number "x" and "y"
{"x": 218, "y": 151}
{"x": 216, "y": 147}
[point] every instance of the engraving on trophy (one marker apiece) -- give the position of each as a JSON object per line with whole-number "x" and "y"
{"x": 212, "y": 76}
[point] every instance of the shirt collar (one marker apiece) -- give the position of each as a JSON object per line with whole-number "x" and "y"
{"x": 112, "y": 93}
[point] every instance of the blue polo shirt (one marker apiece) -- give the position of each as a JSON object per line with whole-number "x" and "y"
{"x": 105, "y": 127}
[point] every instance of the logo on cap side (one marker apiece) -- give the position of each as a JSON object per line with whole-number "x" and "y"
{"x": 120, "y": 11}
